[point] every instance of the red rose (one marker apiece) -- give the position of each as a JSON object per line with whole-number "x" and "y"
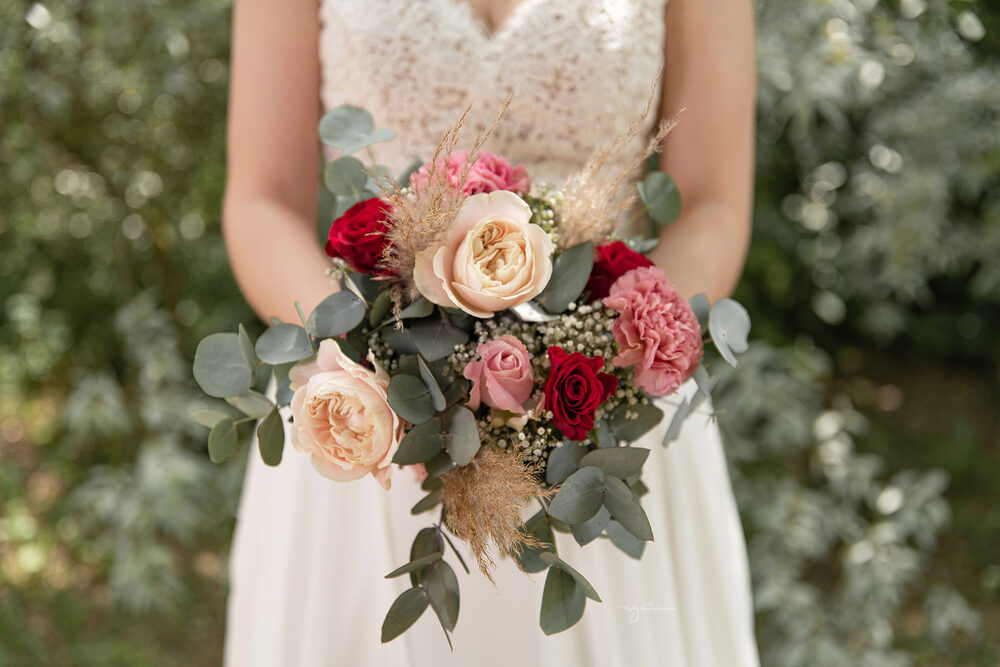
{"x": 574, "y": 389}
{"x": 612, "y": 261}
{"x": 358, "y": 236}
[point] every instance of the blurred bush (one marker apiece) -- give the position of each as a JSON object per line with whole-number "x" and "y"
{"x": 872, "y": 274}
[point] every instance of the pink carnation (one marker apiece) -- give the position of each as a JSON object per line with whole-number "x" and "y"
{"x": 657, "y": 332}
{"x": 489, "y": 173}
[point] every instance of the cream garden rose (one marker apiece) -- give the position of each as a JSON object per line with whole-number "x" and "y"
{"x": 341, "y": 417}
{"x": 493, "y": 257}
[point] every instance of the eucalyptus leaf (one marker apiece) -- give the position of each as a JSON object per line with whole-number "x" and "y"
{"x": 439, "y": 464}
{"x": 381, "y": 308}
{"x": 271, "y": 438}
{"x": 404, "y": 178}
{"x": 660, "y": 195}
{"x": 219, "y": 366}
{"x": 564, "y": 461}
{"x": 399, "y": 340}
{"x": 422, "y": 443}
{"x": 345, "y": 177}
{"x": 380, "y": 179}
{"x": 624, "y": 540}
{"x": 589, "y": 530}
{"x": 570, "y": 273}
{"x": 461, "y": 438}
{"x": 419, "y": 308}
{"x": 458, "y": 554}
{"x": 441, "y": 584}
{"x": 283, "y": 394}
{"x": 427, "y": 541}
{"x": 729, "y": 324}
{"x": 604, "y": 434}
{"x": 337, "y": 314}
{"x": 554, "y": 561}
{"x": 702, "y": 379}
{"x": 416, "y": 564}
{"x": 630, "y": 429}
{"x": 529, "y": 556}
{"x": 403, "y": 613}
{"x": 410, "y": 398}
{"x": 436, "y": 339}
{"x": 684, "y": 410}
{"x": 700, "y": 305}
{"x": 252, "y": 404}
{"x": 580, "y": 496}
{"x": 209, "y": 418}
{"x": 222, "y": 440}
{"x": 427, "y": 502}
{"x": 626, "y": 509}
{"x": 618, "y": 461}
{"x": 563, "y": 602}
{"x": 350, "y": 129}
{"x": 437, "y": 396}
{"x": 284, "y": 343}
{"x": 641, "y": 244}
{"x": 246, "y": 348}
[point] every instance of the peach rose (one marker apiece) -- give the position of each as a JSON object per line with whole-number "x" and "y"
{"x": 342, "y": 417}
{"x": 657, "y": 332}
{"x": 491, "y": 259}
{"x": 504, "y": 378}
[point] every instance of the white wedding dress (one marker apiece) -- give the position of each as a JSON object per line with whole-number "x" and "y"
{"x": 309, "y": 554}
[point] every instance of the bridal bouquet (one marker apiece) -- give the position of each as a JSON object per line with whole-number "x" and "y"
{"x": 495, "y": 335}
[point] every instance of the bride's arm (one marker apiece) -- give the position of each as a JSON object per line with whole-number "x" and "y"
{"x": 272, "y": 174}
{"x": 710, "y": 72}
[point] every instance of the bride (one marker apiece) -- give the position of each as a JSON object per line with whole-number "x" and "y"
{"x": 309, "y": 554}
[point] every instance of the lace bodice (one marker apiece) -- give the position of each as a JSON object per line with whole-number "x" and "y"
{"x": 580, "y": 70}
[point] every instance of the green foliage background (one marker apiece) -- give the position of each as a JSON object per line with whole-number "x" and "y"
{"x": 862, "y": 429}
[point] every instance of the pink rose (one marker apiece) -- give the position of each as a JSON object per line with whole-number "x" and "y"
{"x": 487, "y": 174}
{"x": 341, "y": 417}
{"x": 493, "y": 257}
{"x": 657, "y": 331}
{"x": 503, "y": 379}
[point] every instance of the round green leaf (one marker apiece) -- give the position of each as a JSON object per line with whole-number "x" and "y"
{"x": 410, "y": 398}
{"x": 729, "y": 324}
{"x": 219, "y": 366}
{"x": 700, "y": 305}
{"x": 427, "y": 541}
{"x": 529, "y": 556}
{"x": 580, "y": 497}
{"x": 345, "y": 177}
{"x": 419, "y": 308}
{"x": 564, "y": 461}
{"x": 222, "y": 440}
{"x": 562, "y": 602}
{"x": 461, "y": 438}
{"x": 618, "y": 461}
{"x": 436, "y": 339}
{"x": 570, "y": 273}
{"x": 209, "y": 418}
{"x": 422, "y": 443}
{"x": 246, "y": 348}
{"x": 624, "y": 540}
{"x": 588, "y": 531}
{"x": 252, "y": 404}
{"x": 437, "y": 396}
{"x": 625, "y": 508}
{"x": 271, "y": 438}
{"x": 337, "y": 314}
{"x": 660, "y": 195}
{"x": 630, "y": 428}
{"x": 284, "y": 343}
{"x": 403, "y": 613}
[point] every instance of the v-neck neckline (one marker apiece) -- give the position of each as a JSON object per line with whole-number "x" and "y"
{"x": 481, "y": 24}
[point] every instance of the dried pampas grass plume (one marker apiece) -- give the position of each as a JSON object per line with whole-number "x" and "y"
{"x": 419, "y": 219}
{"x": 595, "y": 202}
{"x": 482, "y": 503}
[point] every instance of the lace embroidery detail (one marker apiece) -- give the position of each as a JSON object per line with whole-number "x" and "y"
{"x": 580, "y": 70}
